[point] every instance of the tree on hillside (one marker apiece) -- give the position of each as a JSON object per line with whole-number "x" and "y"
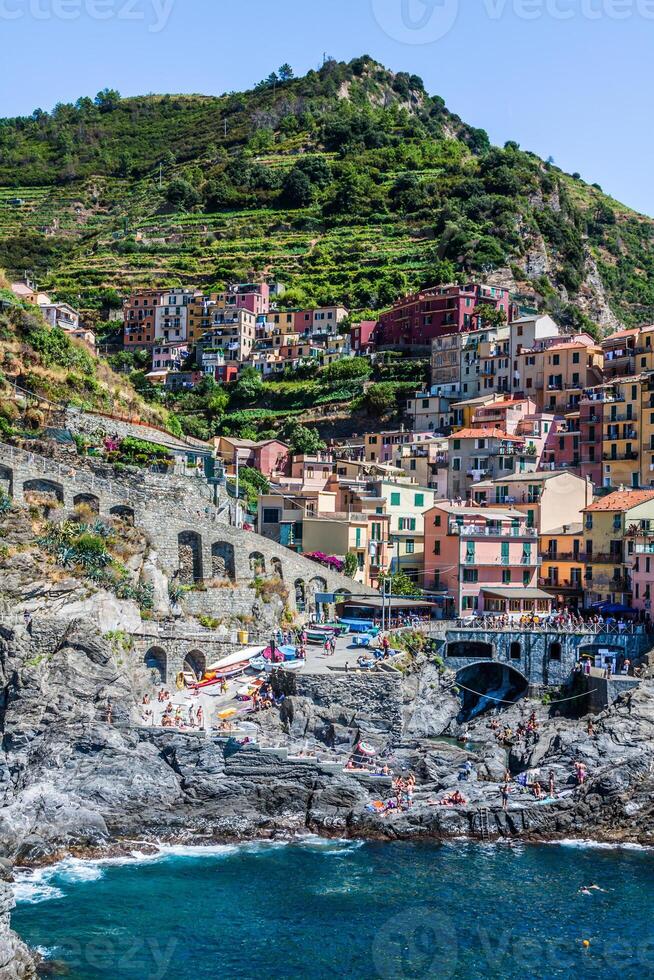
{"x": 347, "y": 369}
{"x": 285, "y": 73}
{"x": 297, "y": 191}
{"x": 182, "y": 194}
{"x": 249, "y": 386}
{"x": 107, "y": 100}
{"x": 302, "y": 440}
{"x": 380, "y": 399}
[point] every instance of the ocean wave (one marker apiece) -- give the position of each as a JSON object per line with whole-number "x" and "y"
{"x": 600, "y": 845}
{"x": 33, "y": 887}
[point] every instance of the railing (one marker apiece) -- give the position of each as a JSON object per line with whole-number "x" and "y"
{"x": 547, "y": 624}
{"x": 491, "y": 532}
{"x": 562, "y": 556}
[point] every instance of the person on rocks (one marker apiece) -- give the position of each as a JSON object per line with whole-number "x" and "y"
{"x": 200, "y": 716}
{"x": 552, "y": 786}
{"x": 505, "y": 791}
{"x": 580, "y": 773}
{"x": 109, "y": 713}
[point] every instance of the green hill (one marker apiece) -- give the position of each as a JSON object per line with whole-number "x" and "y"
{"x": 349, "y": 184}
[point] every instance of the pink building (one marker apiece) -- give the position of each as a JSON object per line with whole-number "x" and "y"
{"x": 271, "y": 457}
{"x": 251, "y": 296}
{"x": 362, "y": 337}
{"x": 486, "y": 559}
{"x": 504, "y": 415}
{"x": 417, "y": 319}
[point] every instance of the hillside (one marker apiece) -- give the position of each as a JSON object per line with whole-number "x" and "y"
{"x": 348, "y": 184}
{"x": 58, "y": 370}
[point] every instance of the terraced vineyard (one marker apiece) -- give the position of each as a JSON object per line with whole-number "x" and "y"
{"x": 350, "y": 184}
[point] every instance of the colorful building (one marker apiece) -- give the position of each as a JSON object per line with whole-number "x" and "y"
{"x": 486, "y": 559}
{"x": 415, "y": 320}
{"x": 608, "y": 547}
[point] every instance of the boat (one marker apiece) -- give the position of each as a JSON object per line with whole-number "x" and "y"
{"x": 215, "y": 678}
{"x": 246, "y": 653}
{"x": 285, "y": 665}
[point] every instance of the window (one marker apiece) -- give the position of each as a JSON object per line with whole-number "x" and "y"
{"x": 270, "y": 515}
{"x": 456, "y": 464}
{"x": 555, "y": 651}
{"x": 575, "y": 358}
{"x": 526, "y": 578}
{"x": 456, "y": 444}
{"x": 357, "y": 537}
{"x": 515, "y": 651}
{"x": 506, "y": 576}
{"x": 470, "y": 575}
{"x": 556, "y": 359}
{"x": 437, "y": 520}
{"x": 395, "y": 499}
{"x": 437, "y": 547}
{"x": 419, "y": 500}
{"x": 410, "y": 546}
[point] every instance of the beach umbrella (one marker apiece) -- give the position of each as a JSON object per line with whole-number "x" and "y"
{"x": 228, "y": 713}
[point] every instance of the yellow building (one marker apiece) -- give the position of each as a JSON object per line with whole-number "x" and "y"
{"x": 556, "y": 375}
{"x": 607, "y": 546}
{"x": 562, "y": 563}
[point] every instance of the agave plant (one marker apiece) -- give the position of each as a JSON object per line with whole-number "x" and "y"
{"x": 66, "y": 556}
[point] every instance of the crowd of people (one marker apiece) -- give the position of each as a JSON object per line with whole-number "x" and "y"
{"x": 526, "y": 732}
{"x": 564, "y": 621}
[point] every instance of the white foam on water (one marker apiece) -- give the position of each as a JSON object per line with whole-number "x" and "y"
{"x": 599, "y": 845}
{"x": 32, "y": 887}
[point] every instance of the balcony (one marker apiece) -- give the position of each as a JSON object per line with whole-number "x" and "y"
{"x": 471, "y": 531}
{"x": 562, "y": 556}
{"x": 564, "y": 585}
{"x": 618, "y": 457}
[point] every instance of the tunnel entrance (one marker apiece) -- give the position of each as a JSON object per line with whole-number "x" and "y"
{"x": 488, "y": 685}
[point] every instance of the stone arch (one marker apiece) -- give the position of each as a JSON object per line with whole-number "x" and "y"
{"x": 223, "y": 562}
{"x": 195, "y": 662}
{"x": 317, "y": 584}
{"x": 189, "y": 550}
{"x": 300, "y": 595}
{"x": 156, "y": 660}
{"x": 257, "y": 563}
{"x": 488, "y": 684}
{"x": 7, "y": 480}
{"x": 45, "y": 492}
{"x": 470, "y": 650}
{"x": 87, "y": 500}
{"x": 123, "y": 513}
{"x": 277, "y": 568}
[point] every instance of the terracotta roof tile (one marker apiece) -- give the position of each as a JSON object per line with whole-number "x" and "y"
{"x": 484, "y": 434}
{"x": 621, "y": 500}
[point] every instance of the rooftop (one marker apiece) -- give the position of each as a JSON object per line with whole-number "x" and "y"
{"x": 621, "y": 500}
{"x": 484, "y": 434}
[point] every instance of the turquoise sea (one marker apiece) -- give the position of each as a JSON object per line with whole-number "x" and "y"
{"x": 329, "y": 909}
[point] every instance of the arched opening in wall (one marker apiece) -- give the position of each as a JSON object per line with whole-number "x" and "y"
{"x": 277, "y": 568}
{"x": 554, "y": 651}
{"x": 257, "y": 564}
{"x": 6, "y": 481}
{"x": 87, "y": 502}
{"x": 488, "y": 685}
{"x": 45, "y": 494}
{"x": 223, "y": 564}
{"x": 123, "y": 513}
{"x": 300, "y": 595}
{"x": 157, "y": 663}
{"x": 195, "y": 665}
{"x": 189, "y": 548}
{"x": 515, "y": 651}
{"x": 470, "y": 650}
{"x": 317, "y": 584}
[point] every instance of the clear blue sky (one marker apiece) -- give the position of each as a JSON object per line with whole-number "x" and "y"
{"x": 578, "y": 88}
